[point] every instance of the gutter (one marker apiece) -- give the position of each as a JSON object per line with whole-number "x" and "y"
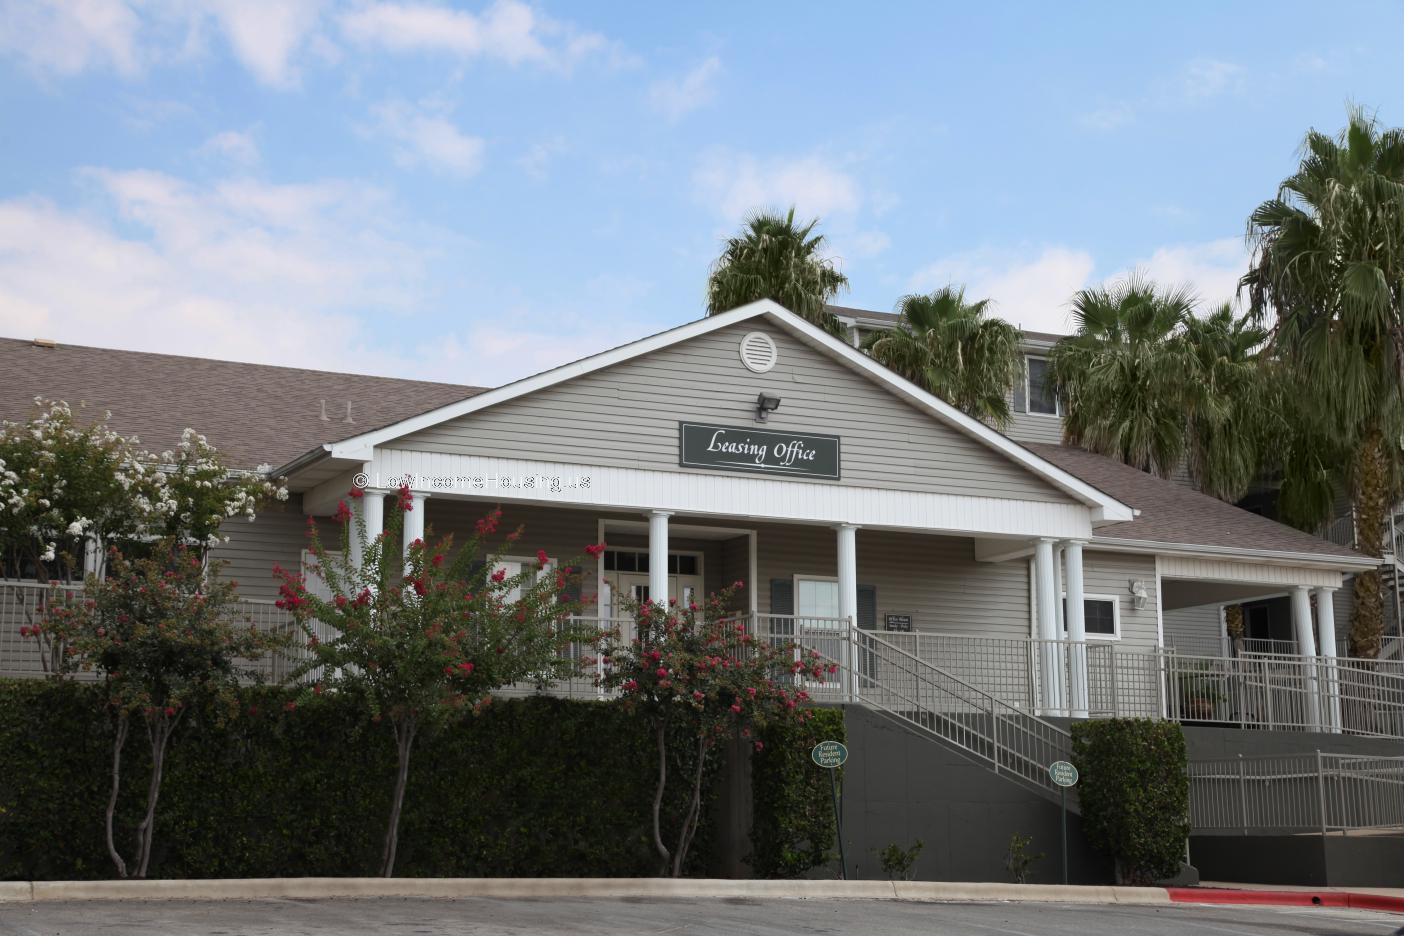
{"x": 1350, "y": 563}
{"x": 305, "y": 460}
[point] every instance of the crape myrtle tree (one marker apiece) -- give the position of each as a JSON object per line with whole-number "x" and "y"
{"x": 425, "y": 634}
{"x": 163, "y": 633}
{"x": 701, "y": 677}
{"x": 775, "y": 257}
{"x": 68, "y": 484}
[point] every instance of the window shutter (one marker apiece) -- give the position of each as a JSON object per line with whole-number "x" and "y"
{"x": 1021, "y": 404}
{"x": 867, "y": 607}
{"x": 782, "y": 596}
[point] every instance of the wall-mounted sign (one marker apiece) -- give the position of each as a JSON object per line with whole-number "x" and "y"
{"x": 897, "y": 622}
{"x": 768, "y": 451}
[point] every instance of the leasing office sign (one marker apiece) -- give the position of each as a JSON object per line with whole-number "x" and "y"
{"x": 731, "y": 448}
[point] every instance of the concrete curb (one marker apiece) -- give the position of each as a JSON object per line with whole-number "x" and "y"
{"x": 1287, "y": 898}
{"x": 328, "y": 888}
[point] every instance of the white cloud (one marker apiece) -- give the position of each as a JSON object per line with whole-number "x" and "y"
{"x": 1109, "y": 117}
{"x": 1211, "y": 269}
{"x": 509, "y": 31}
{"x": 1030, "y": 291}
{"x": 735, "y": 184}
{"x": 65, "y": 38}
{"x": 239, "y": 148}
{"x": 304, "y": 275}
{"x": 426, "y": 137}
{"x": 1203, "y": 78}
{"x": 675, "y": 97}
{"x": 869, "y": 243}
{"x": 536, "y": 161}
{"x": 264, "y": 34}
{"x": 1033, "y": 290}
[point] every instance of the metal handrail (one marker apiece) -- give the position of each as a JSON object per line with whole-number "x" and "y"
{"x": 978, "y": 724}
{"x": 1295, "y": 793}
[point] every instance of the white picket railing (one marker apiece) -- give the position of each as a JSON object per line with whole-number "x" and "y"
{"x": 1297, "y": 793}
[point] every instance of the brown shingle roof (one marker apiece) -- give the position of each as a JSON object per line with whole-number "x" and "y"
{"x": 252, "y": 413}
{"x": 1172, "y": 513}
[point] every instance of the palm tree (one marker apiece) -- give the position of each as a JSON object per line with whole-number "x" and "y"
{"x": 1226, "y": 397}
{"x": 946, "y": 345}
{"x": 1328, "y": 264}
{"x": 775, "y": 258}
{"x": 1122, "y": 375}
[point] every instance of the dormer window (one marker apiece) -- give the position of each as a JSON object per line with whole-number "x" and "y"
{"x": 1039, "y": 391}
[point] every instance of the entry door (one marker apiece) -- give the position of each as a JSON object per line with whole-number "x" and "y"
{"x": 816, "y": 624}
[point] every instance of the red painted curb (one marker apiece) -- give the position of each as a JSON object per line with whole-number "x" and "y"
{"x": 1349, "y": 899}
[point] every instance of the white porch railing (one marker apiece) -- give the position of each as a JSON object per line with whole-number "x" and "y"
{"x": 1297, "y": 793}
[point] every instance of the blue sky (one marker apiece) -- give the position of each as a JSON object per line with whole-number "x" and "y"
{"x": 474, "y": 192}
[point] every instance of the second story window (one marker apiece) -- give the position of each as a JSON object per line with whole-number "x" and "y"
{"x": 1040, "y": 393}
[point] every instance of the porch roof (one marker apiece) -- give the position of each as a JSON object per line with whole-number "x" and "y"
{"x": 1170, "y": 513}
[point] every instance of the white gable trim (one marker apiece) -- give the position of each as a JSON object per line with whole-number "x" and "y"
{"x": 1105, "y": 508}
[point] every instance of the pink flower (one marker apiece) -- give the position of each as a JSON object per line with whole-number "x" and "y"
{"x": 499, "y": 575}
{"x": 595, "y": 549}
{"x": 356, "y": 493}
{"x": 697, "y": 696}
{"x": 760, "y": 746}
{"x": 170, "y": 712}
{"x": 465, "y": 668}
{"x": 631, "y": 685}
{"x": 438, "y": 559}
{"x": 662, "y": 673}
{"x": 541, "y": 557}
{"x": 343, "y": 513}
{"x": 751, "y": 691}
{"x": 736, "y": 708}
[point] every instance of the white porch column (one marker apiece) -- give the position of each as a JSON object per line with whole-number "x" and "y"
{"x": 1045, "y": 601}
{"x": 848, "y": 597}
{"x": 94, "y": 560}
{"x": 1326, "y": 633}
{"x": 414, "y": 519}
{"x": 1078, "y": 696}
{"x": 373, "y": 508}
{"x": 658, "y": 557}
{"x": 1306, "y": 648}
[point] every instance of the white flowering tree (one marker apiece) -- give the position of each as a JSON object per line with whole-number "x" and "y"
{"x": 67, "y": 486}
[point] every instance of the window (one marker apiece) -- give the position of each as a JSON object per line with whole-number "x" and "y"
{"x": 623, "y": 560}
{"x": 1101, "y": 615}
{"x": 1039, "y": 391}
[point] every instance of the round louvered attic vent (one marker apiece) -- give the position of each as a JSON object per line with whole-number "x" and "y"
{"x": 758, "y": 352}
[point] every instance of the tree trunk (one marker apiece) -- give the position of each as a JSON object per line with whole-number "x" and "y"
{"x": 160, "y": 735}
{"x": 405, "y": 730}
{"x": 658, "y": 793}
{"x": 689, "y": 826}
{"x": 118, "y": 741}
{"x": 1371, "y": 514}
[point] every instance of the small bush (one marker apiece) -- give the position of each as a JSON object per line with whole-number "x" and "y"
{"x": 1018, "y": 860}
{"x": 899, "y": 863}
{"x": 1134, "y": 792}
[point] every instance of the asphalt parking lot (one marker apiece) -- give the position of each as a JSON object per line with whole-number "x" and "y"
{"x": 627, "y": 917}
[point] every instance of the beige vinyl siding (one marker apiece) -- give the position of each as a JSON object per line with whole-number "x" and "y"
{"x": 1195, "y": 630}
{"x": 275, "y": 536}
{"x": 1035, "y": 427}
{"x": 627, "y": 416}
{"x": 933, "y": 578}
{"x": 1105, "y": 573}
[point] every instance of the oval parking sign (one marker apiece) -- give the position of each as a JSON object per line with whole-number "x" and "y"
{"x": 1063, "y": 773}
{"x": 829, "y": 754}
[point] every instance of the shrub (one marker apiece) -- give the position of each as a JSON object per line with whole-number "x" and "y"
{"x": 1134, "y": 791}
{"x": 792, "y": 824}
{"x": 899, "y": 863}
{"x": 533, "y": 787}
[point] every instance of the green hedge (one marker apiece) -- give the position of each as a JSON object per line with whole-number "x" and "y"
{"x": 1134, "y": 792}
{"x": 792, "y": 820}
{"x": 533, "y": 787}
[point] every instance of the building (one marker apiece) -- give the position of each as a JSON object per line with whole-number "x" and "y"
{"x": 978, "y": 587}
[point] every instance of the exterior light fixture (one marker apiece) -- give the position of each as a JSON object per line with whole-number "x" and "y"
{"x": 1139, "y": 595}
{"x": 765, "y": 405}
